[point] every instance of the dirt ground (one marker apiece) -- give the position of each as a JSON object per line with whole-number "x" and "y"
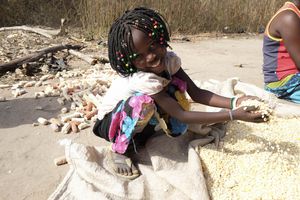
{"x": 26, "y": 153}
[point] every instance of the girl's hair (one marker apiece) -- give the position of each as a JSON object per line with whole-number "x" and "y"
{"x": 120, "y": 43}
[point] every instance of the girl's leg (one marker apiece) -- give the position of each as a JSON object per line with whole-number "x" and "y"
{"x": 126, "y": 126}
{"x": 122, "y": 163}
{"x": 100, "y": 128}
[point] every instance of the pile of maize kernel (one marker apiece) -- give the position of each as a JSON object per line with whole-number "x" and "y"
{"x": 255, "y": 161}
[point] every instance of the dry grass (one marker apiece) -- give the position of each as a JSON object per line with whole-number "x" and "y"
{"x": 36, "y": 12}
{"x": 187, "y": 17}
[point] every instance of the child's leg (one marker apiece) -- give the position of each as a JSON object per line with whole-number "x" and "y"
{"x": 139, "y": 140}
{"x": 289, "y": 91}
{"x": 295, "y": 96}
{"x": 122, "y": 163}
{"x": 125, "y": 126}
{"x": 100, "y": 128}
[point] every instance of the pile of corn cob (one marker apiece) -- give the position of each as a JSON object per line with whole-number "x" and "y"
{"x": 79, "y": 92}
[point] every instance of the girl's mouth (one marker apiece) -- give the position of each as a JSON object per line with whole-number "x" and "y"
{"x": 156, "y": 63}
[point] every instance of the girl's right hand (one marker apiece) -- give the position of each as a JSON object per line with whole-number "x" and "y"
{"x": 247, "y": 113}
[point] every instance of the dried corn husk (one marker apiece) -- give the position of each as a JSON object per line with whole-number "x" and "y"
{"x": 39, "y": 95}
{"x": 74, "y": 126}
{"x": 30, "y": 84}
{"x": 55, "y": 127}
{"x": 55, "y": 121}
{"x": 70, "y": 116}
{"x": 61, "y": 101}
{"x": 77, "y": 119}
{"x": 64, "y": 110}
{"x": 46, "y": 77}
{"x": 43, "y": 121}
{"x": 91, "y": 114}
{"x": 2, "y": 86}
{"x": 66, "y": 128}
{"x": 73, "y": 106}
{"x": 18, "y": 92}
{"x": 83, "y": 126}
{"x": 89, "y": 106}
{"x": 38, "y": 84}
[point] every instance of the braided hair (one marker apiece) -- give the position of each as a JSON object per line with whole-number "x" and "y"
{"x": 120, "y": 43}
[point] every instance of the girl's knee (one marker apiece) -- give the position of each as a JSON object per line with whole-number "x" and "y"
{"x": 142, "y": 105}
{"x": 148, "y": 111}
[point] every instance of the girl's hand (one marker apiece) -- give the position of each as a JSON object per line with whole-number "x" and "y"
{"x": 247, "y": 113}
{"x": 244, "y": 98}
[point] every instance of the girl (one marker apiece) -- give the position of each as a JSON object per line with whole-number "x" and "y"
{"x": 150, "y": 91}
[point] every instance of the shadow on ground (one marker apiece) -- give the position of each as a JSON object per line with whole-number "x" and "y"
{"x": 16, "y": 112}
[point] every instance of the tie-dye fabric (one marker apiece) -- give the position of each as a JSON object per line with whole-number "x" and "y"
{"x": 124, "y": 120}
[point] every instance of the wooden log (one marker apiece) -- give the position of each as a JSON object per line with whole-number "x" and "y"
{"x": 12, "y": 65}
{"x": 44, "y": 32}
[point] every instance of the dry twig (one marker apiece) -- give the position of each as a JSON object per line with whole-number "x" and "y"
{"x": 44, "y": 32}
{"x": 12, "y": 65}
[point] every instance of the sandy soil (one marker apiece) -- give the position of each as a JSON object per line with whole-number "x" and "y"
{"x": 26, "y": 153}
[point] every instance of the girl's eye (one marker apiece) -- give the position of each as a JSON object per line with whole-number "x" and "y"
{"x": 138, "y": 57}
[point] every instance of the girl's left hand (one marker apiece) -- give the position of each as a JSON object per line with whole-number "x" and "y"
{"x": 244, "y": 98}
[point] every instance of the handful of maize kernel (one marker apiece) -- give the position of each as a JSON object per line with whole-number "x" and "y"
{"x": 261, "y": 106}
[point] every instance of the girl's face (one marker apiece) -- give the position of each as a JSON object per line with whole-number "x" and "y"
{"x": 150, "y": 53}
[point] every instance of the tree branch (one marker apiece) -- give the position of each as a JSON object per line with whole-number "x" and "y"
{"x": 12, "y": 65}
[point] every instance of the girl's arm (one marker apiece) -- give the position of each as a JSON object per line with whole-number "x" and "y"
{"x": 171, "y": 106}
{"x": 206, "y": 97}
{"x": 202, "y": 96}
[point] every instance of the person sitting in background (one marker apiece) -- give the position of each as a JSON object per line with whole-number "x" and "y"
{"x": 281, "y": 52}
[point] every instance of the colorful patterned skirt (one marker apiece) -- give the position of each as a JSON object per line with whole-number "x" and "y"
{"x": 288, "y": 89}
{"x": 133, "y": 120}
